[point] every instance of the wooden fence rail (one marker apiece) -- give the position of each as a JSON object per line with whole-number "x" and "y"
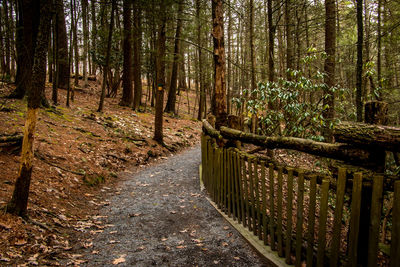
{"x": 305, "y": 219}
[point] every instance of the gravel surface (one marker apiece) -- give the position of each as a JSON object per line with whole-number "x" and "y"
{"x": 160, "y": 217}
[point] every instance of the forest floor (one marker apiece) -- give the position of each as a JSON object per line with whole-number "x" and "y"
{"x": 79, "y": 156}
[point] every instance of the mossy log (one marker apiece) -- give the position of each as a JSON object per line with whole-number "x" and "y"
{"x": 363, "y": 135}
{"x": 346, "y": 152}
{"x": 210, "y": 130}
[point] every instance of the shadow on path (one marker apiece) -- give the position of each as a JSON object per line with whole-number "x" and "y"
{"x": 160, "y": 217}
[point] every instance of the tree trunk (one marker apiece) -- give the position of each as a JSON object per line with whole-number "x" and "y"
{"x": 70, "y": 58}
{"x": 8, "y": 38}
{"x": 271, "y": 37}
{"x": 54, "y": 96}
{"x": 27, "y": 26}
{"x": 202, "y": 98}
{"x": 19, "y": 201}
{"x": 160, "y": 69}
{"x": 253, "y": 64}
{"x": 219, "y": 99}
{"x": 85, "y": 29}
{"x": 170, "y": 106}
{"x": 369, "y": 135}
{"x": 359, "y": 104}
{"x": 107, "y": 63}
{"x": 76, "y": 51}
{"x": 289, "y": 38}
{"x": 127, "y": 89}
{"x": 181, "y": 70}
{"x": 137, "y": 59}
{"x": 376, "y": 112}
{"x": 329, "y": 67}
{"x": 229, "y": 80}
{"x": 93, "y": 36}
{"x": 62, "y": 47}
{"x": 379, "y": 46}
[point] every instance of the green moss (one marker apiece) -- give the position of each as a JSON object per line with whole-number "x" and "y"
{"x": 93, "y": 180}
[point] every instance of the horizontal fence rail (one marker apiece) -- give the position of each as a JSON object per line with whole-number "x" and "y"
{"x": 307, "y": 221}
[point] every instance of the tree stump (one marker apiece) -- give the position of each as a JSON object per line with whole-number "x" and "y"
{"x": 376, "y": 112}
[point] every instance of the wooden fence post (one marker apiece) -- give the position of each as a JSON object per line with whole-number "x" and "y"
{"x": 375, "y": 113}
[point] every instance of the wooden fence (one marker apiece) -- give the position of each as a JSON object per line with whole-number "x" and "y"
{"x": 307, "y": 218}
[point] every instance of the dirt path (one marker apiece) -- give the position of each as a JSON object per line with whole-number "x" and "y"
{"x": 160, "y": 217}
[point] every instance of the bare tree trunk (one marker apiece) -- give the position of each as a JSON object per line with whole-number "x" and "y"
{"x": 13, "y": 52}
{"x": 93, "y": 35}
{"x": 127, "y": 89}
{"x": 229, "y": 85}
{"x": 289, "y": 38}
{"x": 170, "y": 106}
{"x": 160, "y": 67}
{"x": 8, "y": 38}
{"x": 85, "y": 29}
{"x": 359, "y": 104}
{"x": 76, "y": 51}
{"x": 253, "y": 64}
{"x": 137, "y": 59}
{"x": 202, "y": 98}
{"x": 329, "y": 67}
{"x": 219, "y": 103}
{"x": 271, "y": 36}
{"x": 19, "y": 201}
{"x": 181, "y": 69}
{"x": 27, "y": 23}
{"x": 54, "y": 96}
{"x": 107, "y": 63}
{"x": 62, "y": 47}
{"x": 379, "y": 46}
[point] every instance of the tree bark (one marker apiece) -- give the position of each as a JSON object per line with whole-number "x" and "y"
{"x": 75, "y": 42}
{"x": 54, "y": 95}
{"x": 160, "y": 70}
{"x": 229, "y": 80}
{"x": 27, "y": 27}
{"x": 369, "y": 135}
{"x": 253, "y": 64}
{"x": 127, "y": 89}
{"x": 219, "y": 99}
{"x": 359, "y": 104}
{"x": 202, "y": 98}
{"x": 170, "y": 106}
{"x": 93, "y": 36}
{"x": 8, "y": 38}
{"x": 379, "y": 46}
{"x": 19, "y": 201}
{"x": 289, "y": 38}
{"x": 62, "y": 47}
{"x": 85, "y": 26}
{"x": 107, "y": 63}
{"x": 329, "y": 67}
{"x": 376, "y": 112}
{"x": 271, "y": 36}
{"x": 137, "y": 58}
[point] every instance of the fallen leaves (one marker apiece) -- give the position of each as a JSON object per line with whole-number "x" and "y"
{"x": 5, "y": 226}
{"x": 119, "y": 260}
{"x": 20, "y": 242}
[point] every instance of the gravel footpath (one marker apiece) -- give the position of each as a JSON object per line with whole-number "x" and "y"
{"x": 160, "y": 217}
